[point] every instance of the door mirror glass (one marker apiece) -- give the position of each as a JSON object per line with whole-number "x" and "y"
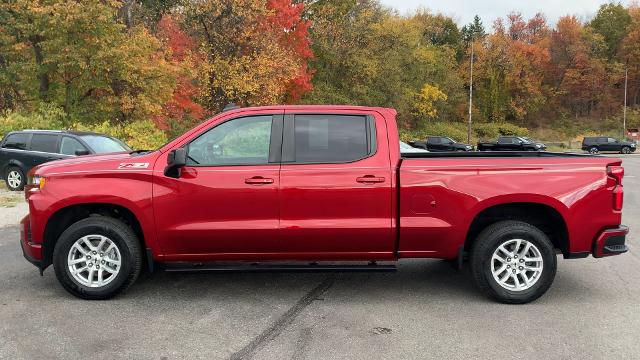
{"x": 176, "y": 160}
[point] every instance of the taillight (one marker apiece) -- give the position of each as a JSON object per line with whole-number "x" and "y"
{"x": 618, "y": 197}
{"x": 617, "y": 173}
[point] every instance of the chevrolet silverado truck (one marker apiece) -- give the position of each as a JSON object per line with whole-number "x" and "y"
{"x": 318, "y": 187}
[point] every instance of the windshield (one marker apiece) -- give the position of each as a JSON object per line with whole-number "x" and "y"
{"x": 527, "y": 140}
{"x": 103, "y": 144}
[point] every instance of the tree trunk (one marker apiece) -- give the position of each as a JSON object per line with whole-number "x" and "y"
{"x": 43, "y": 76}
{"x": 126, "y": 13}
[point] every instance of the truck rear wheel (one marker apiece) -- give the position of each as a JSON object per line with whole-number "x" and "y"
{"x": 97, "y": 258}
{"x": 513, "y": 262}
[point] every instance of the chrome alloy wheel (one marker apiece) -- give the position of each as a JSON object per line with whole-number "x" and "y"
{"x": 14, "y": 179}
{"x": 94, "y": 261}
{"x": 516, "y": 265}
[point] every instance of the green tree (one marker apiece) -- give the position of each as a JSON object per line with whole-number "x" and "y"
{"x": 79, "y": 57}
{"x": 611, "y": 22}
{"x": 474, "y": 30}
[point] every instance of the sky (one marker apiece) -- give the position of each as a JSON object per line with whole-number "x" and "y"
{"x": 462, "y": 11}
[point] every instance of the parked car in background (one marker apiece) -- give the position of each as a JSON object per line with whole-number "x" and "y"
{"x": 22, "y": 150}
{"x": 595, "y": 144}
{"x": 512, "y": 143}
{"x": 408, "y": 149}
{"x": 441, "y": 143}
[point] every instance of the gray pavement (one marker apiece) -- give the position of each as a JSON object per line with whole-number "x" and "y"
{"x": 425, "y": 310}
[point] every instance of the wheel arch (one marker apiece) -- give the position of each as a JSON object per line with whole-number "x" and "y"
{"x": 544, "y": 213}
{"x": 62, "y": 218}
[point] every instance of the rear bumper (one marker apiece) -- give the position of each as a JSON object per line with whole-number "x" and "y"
{"x": 31, "y": 251}
{"x": 611, "y": 242}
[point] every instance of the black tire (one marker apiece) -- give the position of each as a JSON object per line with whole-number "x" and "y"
{"x": 20, "y": 173}
{"x": 625, "y": 150}
{"x": 594, "y": 150}
{"x": 121, "y": 235}
{"x": 494, "y": 236}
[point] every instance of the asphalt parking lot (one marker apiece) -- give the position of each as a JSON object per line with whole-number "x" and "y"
{"x": 425, "y": 310}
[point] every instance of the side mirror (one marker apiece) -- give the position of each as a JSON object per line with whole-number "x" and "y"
{"x": 176, "y": 160}
{"x": 82, "y": 152}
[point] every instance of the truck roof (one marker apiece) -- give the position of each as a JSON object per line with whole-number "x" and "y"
{"x": 314, "y": 108}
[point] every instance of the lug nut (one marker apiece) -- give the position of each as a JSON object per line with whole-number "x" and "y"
{"x": 88, "y": 257}
{"x": 508, "y": 259}
{"x": 508, "y": 266}
{"x": 90, "y": 264}
{"x": 101, "y": 254}
{"x": 102, "y": 262}
{"x": 513, "y": 271}
{"x": 93, "y": 252}
{"x": 521, "y": 260}
{"x": 516, "y": 256}
{"x": 521, "y": 268}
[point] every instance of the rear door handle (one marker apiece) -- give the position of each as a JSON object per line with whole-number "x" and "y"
{"x": 258, "y": 180}
{"x": 370, "y": 179}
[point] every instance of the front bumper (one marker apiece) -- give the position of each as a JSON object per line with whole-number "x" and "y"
{"x": 611, "y": 242}
{"x": 31, "y": 251}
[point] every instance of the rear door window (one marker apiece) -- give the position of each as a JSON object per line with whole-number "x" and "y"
{"x": 44, "y": 143}
{"x": 16, "y": 141}
{"x": 332, "y": 138}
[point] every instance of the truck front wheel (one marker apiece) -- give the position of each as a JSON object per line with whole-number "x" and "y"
{"x": 513, "y": 262}
{"x": 97, "y": 258}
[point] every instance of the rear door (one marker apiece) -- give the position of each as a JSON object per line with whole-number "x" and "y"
{"x": 336, "y": 186}
{"x": 43, "y": 148}
{"x": 434, "y": 144}
{"x": 505, "y": 143}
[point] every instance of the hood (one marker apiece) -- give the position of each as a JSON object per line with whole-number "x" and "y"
{"x": 114, "y": 161}
{"x": 463, "y": 146}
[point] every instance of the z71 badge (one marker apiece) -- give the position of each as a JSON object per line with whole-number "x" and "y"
{"x": 133, "y": 166}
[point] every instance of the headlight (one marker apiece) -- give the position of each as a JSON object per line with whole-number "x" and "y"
{"x": 37, "y": 181}
{"x": 538, "y": 146}
{"x": 469, "y": 147}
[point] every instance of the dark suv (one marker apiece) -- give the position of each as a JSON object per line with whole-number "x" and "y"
{"x": 22, "y": 150}
{"x": 602, "y": 143}
{"x": 441, "y": 143}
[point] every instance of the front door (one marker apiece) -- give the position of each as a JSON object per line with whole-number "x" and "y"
{"x": 336, "y": 187}
{"x": 225, "y": 203}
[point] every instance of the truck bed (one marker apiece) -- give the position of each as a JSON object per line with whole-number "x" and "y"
{"x": 494, "y": 154}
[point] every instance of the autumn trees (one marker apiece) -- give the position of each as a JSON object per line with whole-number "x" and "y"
{"x": 173, "y": 62}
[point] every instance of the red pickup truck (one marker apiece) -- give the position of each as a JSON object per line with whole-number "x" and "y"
{"x": 318, "y": 187}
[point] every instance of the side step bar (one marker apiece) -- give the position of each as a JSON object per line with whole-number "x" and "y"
{"x": 276, "y": 267}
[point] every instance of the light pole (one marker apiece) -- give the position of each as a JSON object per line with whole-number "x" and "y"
{"x": 471, "y": 94}
{"x": 624, "y": 111}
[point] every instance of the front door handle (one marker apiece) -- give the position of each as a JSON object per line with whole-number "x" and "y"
{"x": 370, "y": 179}
{"x": 258, "y": 180}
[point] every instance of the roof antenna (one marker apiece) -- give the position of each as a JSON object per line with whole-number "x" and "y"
{"x": 230, "y": 106}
